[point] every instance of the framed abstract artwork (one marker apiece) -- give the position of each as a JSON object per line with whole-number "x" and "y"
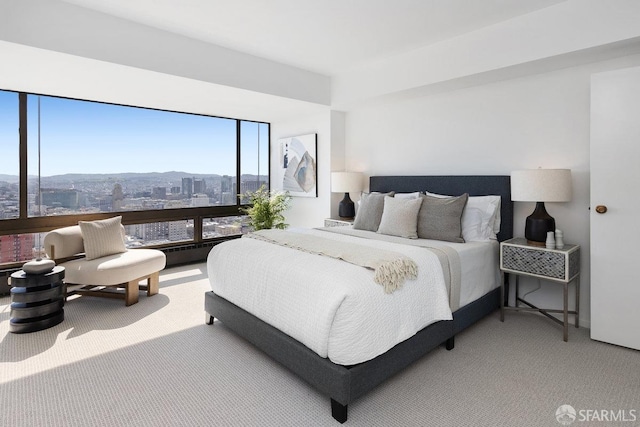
{"x": 297, "y": 165}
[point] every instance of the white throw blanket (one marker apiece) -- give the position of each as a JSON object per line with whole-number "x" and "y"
{"x": 448, "y": 257}
{"x": 391, "y": 268}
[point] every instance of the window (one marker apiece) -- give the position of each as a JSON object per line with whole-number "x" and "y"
{"x": 174, "y": 177}
{"x": 9, "y": 147}
{"x": 225, "y": 226}
{"x": 93, "y": 157}
{"x": 254, "y": 149}
{"x": 158, "y": 233}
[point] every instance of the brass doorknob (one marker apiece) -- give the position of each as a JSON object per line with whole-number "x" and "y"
{"x": 601, "y": 209}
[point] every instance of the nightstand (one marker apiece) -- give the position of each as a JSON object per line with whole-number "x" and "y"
{"x": 37, "y": 300}
{"x": 337, "y": 222}
{"x": 560, "y": 266}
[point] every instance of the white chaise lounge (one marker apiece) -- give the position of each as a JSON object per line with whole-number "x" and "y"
{"x": 96, "y": 260}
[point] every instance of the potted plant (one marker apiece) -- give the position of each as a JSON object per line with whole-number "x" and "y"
{"x": 267, "y": 207}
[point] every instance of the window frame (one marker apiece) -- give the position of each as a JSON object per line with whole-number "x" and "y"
{"x": 25, "y": 224}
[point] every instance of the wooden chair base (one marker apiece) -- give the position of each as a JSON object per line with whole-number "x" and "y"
{"x": 127, "y": 291}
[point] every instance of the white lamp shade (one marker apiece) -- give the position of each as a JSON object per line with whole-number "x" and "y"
{"x": 346, "y": 182}
{"x": 541, "y": 185}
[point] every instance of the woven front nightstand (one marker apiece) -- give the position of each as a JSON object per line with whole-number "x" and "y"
{"x": 556, "y": 265}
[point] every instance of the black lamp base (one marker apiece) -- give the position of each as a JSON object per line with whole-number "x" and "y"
{"x": 537, "y": 226}
{"x": 346, "y": 208}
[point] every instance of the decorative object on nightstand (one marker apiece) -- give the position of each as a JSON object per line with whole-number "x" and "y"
{"x": 556, "y": 265}
{"x": 346, "y": 182}
{"x": 540, "y": 186}
{"x": 559, "y": 239}
{"x": 551, "y": 240}
{"x": 38, "y": 266}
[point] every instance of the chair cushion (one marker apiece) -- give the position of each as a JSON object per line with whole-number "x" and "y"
{"x": 67, "y": 242}
{"x": 114, "y": 269}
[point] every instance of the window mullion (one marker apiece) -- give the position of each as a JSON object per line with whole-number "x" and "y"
{"x": 238, "y": 157}
{"x": 24, "y": 199}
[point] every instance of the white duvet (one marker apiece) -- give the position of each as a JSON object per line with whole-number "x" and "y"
{"x": 331, "y": 306}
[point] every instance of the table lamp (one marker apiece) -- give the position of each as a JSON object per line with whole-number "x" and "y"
{"x": 540, "y": 186}
{"x": 346, "y": 182}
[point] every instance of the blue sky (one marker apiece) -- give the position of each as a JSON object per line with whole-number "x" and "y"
{"x": 89, "y": 137}
{"x": 9, "y": 161}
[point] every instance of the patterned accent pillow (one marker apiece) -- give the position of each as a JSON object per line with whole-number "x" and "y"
{"x": 103, "y": 237}
{"x": 441, "y": 218}
{"x": 370, "y": 210}
{"x": 400, "y": 217}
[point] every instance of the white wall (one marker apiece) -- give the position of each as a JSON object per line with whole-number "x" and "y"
{"x": 540, "y": 120}
{"x": 306, "y": 211}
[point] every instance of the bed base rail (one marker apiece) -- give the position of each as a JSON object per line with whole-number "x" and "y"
{"x": 344, "y": 384}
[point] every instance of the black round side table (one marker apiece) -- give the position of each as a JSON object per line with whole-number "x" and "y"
{"x": 36, "y": 300}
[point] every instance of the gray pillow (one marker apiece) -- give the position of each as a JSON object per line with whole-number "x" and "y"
{"x": 441, "y": 219}
{"x": 400, "y": 217}
{"x": 370, "y": 211}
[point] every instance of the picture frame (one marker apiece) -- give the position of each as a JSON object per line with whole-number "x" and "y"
{"x": 298, "y": 171}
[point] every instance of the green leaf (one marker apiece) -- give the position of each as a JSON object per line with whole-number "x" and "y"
{"x": 266, "y": 208}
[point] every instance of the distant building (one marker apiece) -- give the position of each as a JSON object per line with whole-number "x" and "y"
{"x": 178, "y": 231}
{"x": 229, "y": 229}
{"x": 16, "y": 247}
{"x": 251, "y": 185}
{"x": 175, "y": 190}
{"x": 154, "y": 232}
{"x": 56, "y": 198}
{"x": 105, "y": 204}
{"x": 9, "y": 209}
{"x": 226, "y": 183}
{"x": 198, "y": 200}
{"x": 187, "y": 186}
{"x": 199, "y": 186}
{"x": 159, "y": 193}
{"x": 117, "y": 198}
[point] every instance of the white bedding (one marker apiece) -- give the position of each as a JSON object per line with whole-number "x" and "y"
{"x": 479, "y": 262}
{"x": 480, "y": 269}
{"x": 331, "y": 306}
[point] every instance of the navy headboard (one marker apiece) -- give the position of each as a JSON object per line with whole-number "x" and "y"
{"x": 475, "y": 185}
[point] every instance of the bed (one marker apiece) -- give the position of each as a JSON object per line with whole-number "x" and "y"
{"x": 345, "y": 382}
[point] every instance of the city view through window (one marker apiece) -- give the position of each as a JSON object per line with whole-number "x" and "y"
{"x": 87, "y": 157}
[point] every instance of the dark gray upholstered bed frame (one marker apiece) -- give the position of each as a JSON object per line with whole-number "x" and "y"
{"x": 344, "y": 384}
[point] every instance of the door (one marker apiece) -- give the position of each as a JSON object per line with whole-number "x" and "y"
{"x": 615, "y": 224}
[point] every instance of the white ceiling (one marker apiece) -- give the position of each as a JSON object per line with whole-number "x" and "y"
{"x": 323, "y": 36}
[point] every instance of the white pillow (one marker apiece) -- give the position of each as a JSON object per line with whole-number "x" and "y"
{"x": 102, "y": 238}
{"x": 415, "y": 195}
{"x": 400, "y": 217}
{"x": 480, "y": 219}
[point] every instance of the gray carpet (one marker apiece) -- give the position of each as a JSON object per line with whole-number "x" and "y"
{"x": 157, "y": 364}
